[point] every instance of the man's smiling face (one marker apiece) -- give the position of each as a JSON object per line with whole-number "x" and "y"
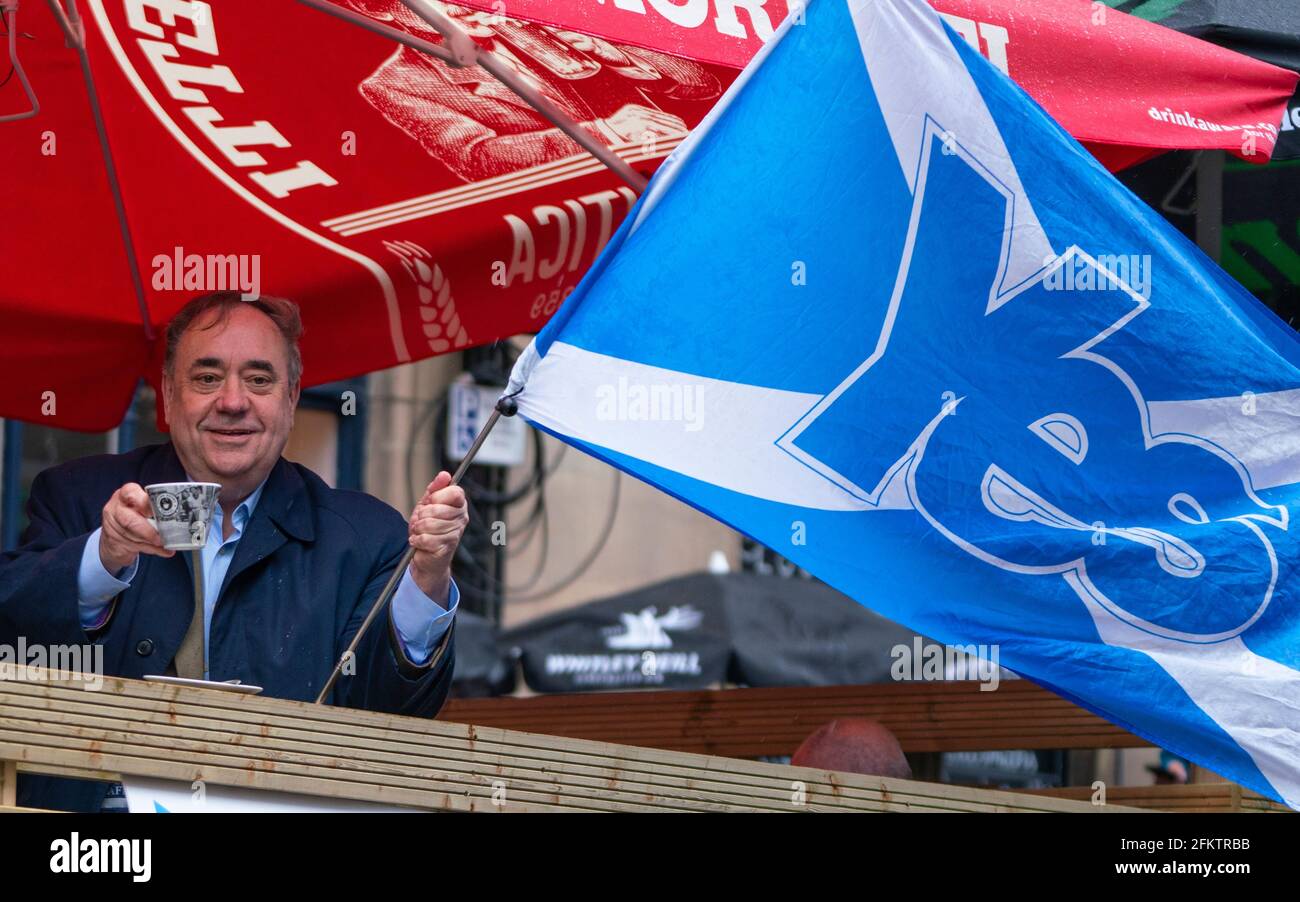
{"x": 228, "y": 400}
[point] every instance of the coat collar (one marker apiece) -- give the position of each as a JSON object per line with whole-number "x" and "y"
{"x": 285, "y": 500}
{"x": 284, "y": 510}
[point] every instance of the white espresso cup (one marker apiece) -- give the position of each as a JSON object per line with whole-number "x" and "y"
{"x": 182, "y": 512}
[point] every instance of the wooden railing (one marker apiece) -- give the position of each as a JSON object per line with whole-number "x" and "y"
{"x": 926, "y": 717}
{"x": 1211, "y": 797}
{"x": 59, "y": 726}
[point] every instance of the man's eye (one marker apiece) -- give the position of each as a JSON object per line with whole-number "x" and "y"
{"x": 260, "y": 381}
{"x": 207, "y": 379}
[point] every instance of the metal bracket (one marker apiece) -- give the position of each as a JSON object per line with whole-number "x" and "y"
{"x": 462, "y": 46}
{"x": 74, "y": 29}
{"x": 393, "y": 34}
{"x": 458, "y": 49}
{"x": 10, "y": 10}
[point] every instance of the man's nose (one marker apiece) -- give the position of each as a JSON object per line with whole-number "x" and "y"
{"x": 233, "y": 397}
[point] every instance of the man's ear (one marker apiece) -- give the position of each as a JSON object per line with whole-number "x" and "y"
{"x": 294, "y": 395}
{"x": 167, "y": 398}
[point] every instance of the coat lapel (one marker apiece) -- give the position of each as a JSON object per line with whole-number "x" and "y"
{"x": 283, "y": 512}
{"x": 162, "y": 466}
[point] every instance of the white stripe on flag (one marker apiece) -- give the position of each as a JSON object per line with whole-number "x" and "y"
{"x": 1253, "y": 698}
{"x": 719, "y": 432}
{"x": 892, "y": 37}
{"x": 724, "y": 432}
{"x": 1262, "y": 431}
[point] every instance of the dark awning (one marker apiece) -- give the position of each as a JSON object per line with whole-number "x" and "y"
{"x": 704, "y": 629}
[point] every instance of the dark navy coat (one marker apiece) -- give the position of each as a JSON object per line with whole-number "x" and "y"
{"x": 311, "y": 562}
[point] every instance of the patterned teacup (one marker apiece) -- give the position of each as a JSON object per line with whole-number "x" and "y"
{"x": 182, "y": 512}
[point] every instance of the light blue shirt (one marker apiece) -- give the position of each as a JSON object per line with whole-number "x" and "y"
{"x": 420, "y": 621}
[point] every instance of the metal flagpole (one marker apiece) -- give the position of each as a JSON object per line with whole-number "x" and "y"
{"x": 459, "y": 50}
{"x": 505, "y": 407}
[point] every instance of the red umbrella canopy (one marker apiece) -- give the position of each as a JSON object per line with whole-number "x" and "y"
{"x": 413, "y": 208}
{"x": 1125, "y": 87}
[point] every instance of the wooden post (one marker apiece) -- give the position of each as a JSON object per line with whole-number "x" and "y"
{"x": 8, "y": 784}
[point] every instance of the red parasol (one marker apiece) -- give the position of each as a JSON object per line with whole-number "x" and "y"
{"x": 414, "y": 208}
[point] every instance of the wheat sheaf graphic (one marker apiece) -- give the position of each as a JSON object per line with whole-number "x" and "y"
{"x": 442, "y": 326}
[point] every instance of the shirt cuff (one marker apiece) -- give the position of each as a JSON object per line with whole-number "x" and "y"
{"x": 420, "y": 621}
{"x": 96, "y": 587}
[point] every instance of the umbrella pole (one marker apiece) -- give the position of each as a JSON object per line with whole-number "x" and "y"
{"x": 74, "y": 32}
{"x": 459, "y": 50}
{"x": 505, "y": 407}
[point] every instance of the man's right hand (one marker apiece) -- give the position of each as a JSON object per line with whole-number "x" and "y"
{"x": 126, "y": 531}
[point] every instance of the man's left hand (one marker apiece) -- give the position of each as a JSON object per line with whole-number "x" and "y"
{"x": 436, "y": 526}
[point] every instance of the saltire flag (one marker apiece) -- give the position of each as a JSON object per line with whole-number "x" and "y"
{"x": 883, "y": 315}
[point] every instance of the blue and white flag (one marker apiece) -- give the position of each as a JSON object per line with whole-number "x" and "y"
{"x": 883, "y": 315}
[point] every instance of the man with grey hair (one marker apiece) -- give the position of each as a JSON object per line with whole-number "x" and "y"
{"x": 291, "y": 566}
